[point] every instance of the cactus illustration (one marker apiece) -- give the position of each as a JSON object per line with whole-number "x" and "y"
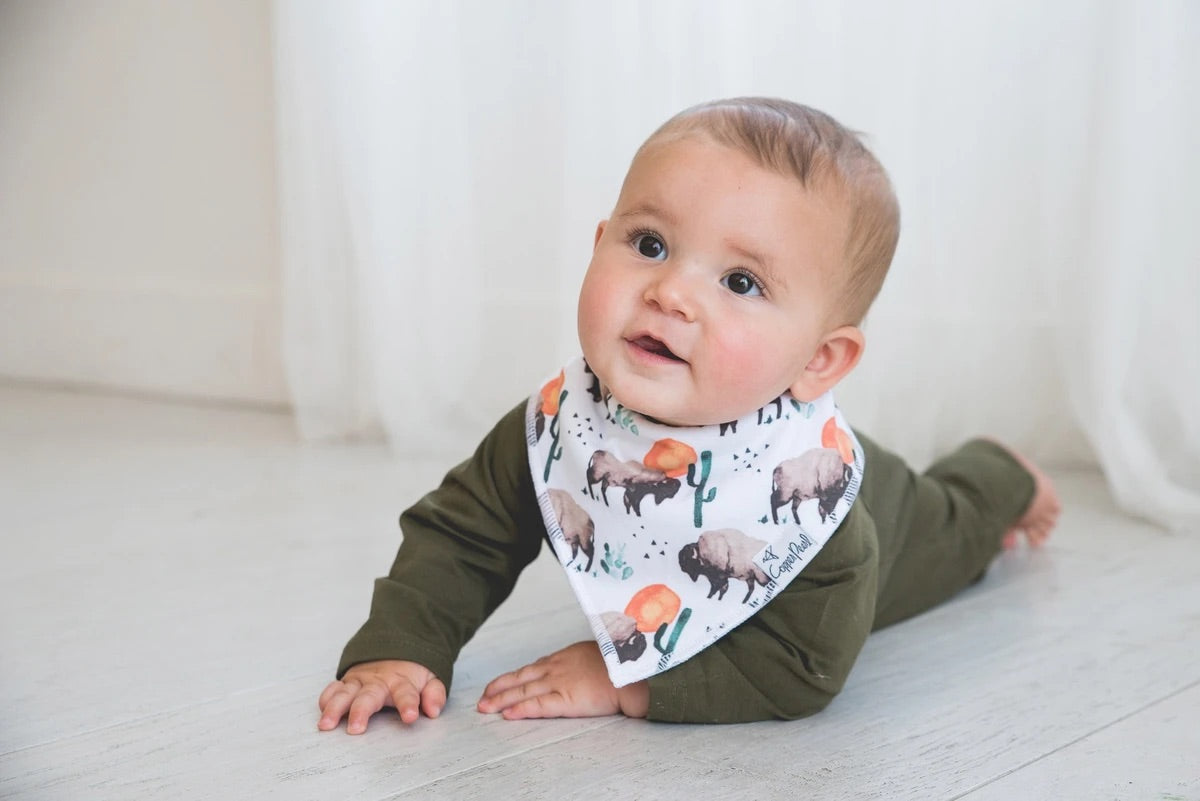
{"x": 613, "y": 563}
{"x": 766, "y": 418}
{"x": 624, "y": 418}
{"x": 701, "y": 498}
{"x": 805, "y": 408}
{"x": 556, "y": 450}
{"x": 679, "y": 624}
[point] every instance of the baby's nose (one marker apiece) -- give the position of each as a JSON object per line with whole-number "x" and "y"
{"x": 674, "y": 292}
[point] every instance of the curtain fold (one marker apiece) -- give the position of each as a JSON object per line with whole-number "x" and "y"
{"x": 1127, "y": 272}
{"x": 443, "y": 166}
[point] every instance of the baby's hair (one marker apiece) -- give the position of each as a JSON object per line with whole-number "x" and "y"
{"x": 820, "y": 152}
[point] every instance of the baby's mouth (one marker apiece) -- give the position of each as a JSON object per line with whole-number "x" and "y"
{"x": 655, "y": 346}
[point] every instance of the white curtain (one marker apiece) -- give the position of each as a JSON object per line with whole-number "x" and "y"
{"x": 443, "y": 166}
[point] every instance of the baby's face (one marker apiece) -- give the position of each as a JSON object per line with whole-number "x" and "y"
{"x": 710, "y": 287}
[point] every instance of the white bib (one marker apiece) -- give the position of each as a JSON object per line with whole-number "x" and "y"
{"x": 672, "y": 536}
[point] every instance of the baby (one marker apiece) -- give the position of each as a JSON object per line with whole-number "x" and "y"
{"x": 721, "y": 306}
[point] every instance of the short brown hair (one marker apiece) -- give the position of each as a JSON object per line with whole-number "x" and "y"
{"x": 818, "y": 151}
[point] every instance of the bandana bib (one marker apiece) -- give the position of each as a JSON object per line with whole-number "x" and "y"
{"x": 672, "y": 536}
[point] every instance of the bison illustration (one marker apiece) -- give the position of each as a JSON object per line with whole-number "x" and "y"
{"x": 818, "y": 473}
{"x": 721, "y": 555}
{"x": 578, "y": 529}
{"x": 635, "y": 478}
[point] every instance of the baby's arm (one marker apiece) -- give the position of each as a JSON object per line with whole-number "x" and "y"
{"x": 463, "y": 546}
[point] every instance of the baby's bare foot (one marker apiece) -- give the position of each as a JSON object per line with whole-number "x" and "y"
{"x": 1040, "y": 517}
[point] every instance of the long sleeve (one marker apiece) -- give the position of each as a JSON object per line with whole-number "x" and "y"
{"x": 464, "y": 544}
{"x": 791, "y": 658}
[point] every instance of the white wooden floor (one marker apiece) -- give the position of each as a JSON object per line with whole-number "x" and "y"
{"x": 176, "y": 583}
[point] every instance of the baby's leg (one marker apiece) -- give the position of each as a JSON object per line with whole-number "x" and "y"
{"x": 1041, "y": 515}
{"x": 939, "y": 530}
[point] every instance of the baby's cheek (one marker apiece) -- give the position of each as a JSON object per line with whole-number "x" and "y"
{"x": 747, "y": 365}
{"x": 598, "y": 317}
{"x": 591, "y": 302}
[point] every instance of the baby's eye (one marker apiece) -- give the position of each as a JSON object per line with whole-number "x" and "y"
{"x": 650, "y": 246}
{"x": 740, "y": 283}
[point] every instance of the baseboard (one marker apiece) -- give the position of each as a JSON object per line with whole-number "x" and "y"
{"x": 177, "y": 340}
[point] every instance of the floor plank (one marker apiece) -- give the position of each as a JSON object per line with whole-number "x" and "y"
{"x": 1124, "y": 760}
{"x": 176, "y": 583}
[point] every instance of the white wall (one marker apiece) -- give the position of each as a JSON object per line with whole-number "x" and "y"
{"x": 138, "y": 235}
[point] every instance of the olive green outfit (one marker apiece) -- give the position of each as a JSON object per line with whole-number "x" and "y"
{"x": 910, "y": 542}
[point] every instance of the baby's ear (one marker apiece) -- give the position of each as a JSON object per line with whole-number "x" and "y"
{"x": 836, "y": 356}
{"x": 599, "y": 233}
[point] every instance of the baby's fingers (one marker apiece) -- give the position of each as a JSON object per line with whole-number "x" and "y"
{"x": 524, "y": 675}
{"x": 369, "y": 700}
{"x": 433, "y": 698}
{"x": 507, "y": 698}
{"x": 334, "y": 702}
{"x": 330, "y": 688}
{"x": 548, "y": 705}
{"x": 406, "y": 699}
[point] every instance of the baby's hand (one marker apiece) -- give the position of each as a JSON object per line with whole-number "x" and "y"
{"x": 370, "y": 686}
{"x": 571, "y": 683}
